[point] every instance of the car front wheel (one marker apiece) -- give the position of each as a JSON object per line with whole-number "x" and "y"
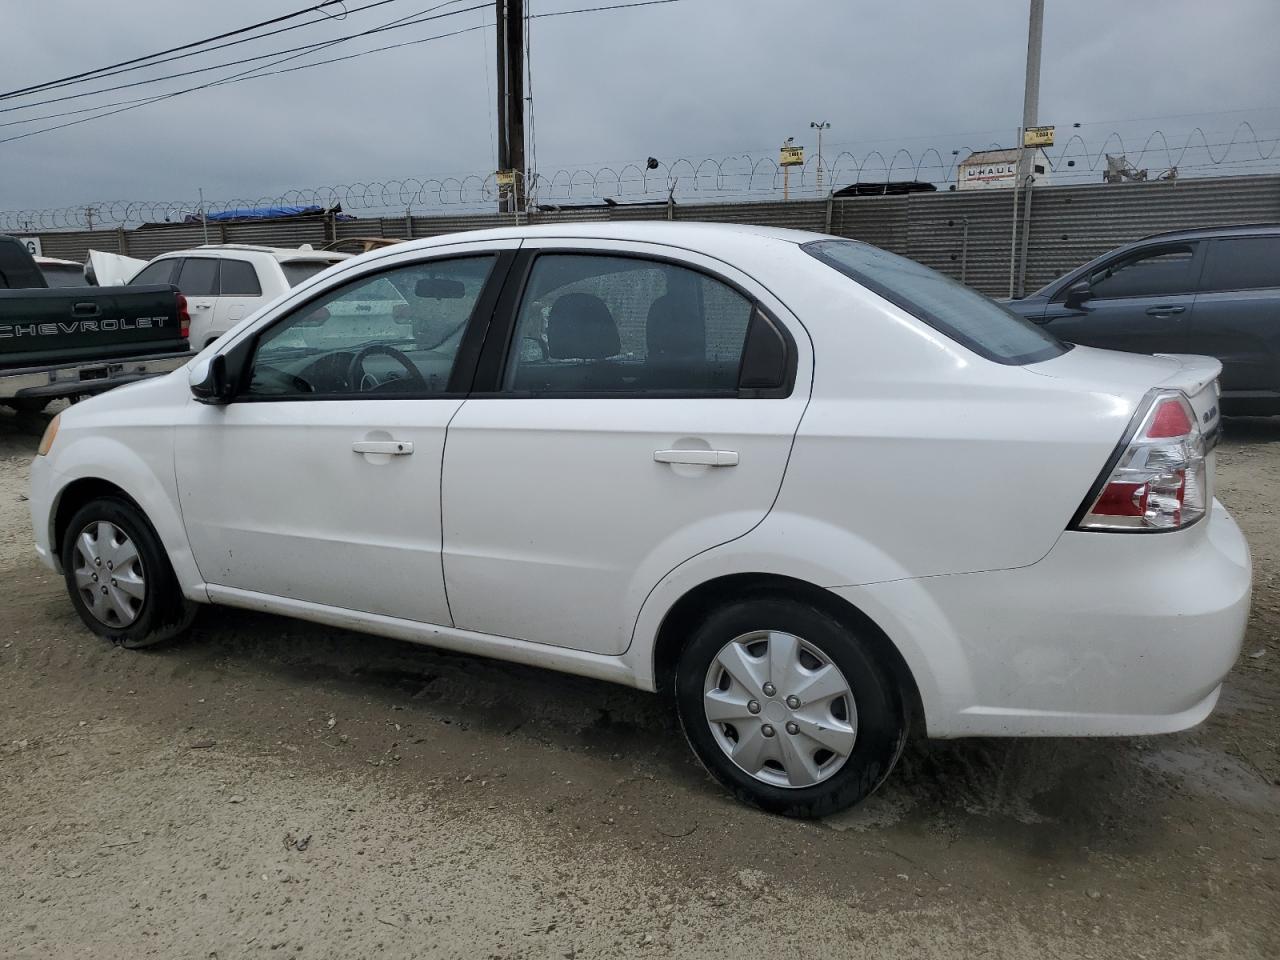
{"x": 788, "y": 707}
{"x": 119, "y": 578}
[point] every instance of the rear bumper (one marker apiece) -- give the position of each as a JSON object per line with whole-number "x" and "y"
{"x": 1110, "y": 634}
{"x": 83, "y": 378}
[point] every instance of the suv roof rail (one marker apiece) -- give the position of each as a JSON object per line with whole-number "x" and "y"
{"x": 1212, "y": 229}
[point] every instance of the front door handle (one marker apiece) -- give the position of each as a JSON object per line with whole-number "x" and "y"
{"x": 396, "y": 448}
{"x": 1164, "y": 311}
{"x": 705, "y": 458}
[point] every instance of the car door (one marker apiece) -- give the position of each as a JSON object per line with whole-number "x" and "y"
{"x": 615, "y": 431}
{"x": 239, "y": 294}
{"x": 197, "y": 279}
{"x": 1237, "y": 317}
{"x": 320, "y": 481}
{"x": 1140, "y": 301}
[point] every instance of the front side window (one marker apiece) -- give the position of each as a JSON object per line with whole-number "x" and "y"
{"x": 951, "y": 308}
{"x": 161, "y": 271}
{"x": 394, "y": 332}
{"x": 198, "y": 277}
{"x": 617, "y": 325}
{"x": 1242, "y": 263}
{"x": 1159, "y": 272}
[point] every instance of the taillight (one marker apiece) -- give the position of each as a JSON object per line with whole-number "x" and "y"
{"x": 1159, "y": 480}
{"x": 184, "y": 317}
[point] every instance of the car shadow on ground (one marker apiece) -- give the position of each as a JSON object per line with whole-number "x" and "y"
{"x": 1044, "y": 796}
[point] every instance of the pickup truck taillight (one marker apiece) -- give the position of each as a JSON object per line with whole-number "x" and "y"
{"x": 184, "y": 317}
{"x": 1158, "y": 479}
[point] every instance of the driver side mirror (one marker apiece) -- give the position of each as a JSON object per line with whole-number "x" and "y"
{"x": 215, "y": 386}
{"x": 1078, "y": 295}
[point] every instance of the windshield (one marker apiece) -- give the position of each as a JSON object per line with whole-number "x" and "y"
{"x": 295, "y": 271}
{"x": 963, "y": 314}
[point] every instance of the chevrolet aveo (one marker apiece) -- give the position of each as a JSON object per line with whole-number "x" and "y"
{"x": 814, "y": 491}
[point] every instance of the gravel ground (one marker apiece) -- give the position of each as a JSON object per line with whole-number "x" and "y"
{"x": 270, "y": 788}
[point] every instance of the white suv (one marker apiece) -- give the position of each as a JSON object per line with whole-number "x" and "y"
{"x": 224, "y": 283}
{"x": 814, "y": 490}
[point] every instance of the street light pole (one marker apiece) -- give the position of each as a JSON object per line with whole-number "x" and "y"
{"x": 1030, "y": 114}
{"x": 820, "y": 126}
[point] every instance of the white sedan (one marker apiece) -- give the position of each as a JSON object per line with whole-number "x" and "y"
{"x": 814, "y": 491}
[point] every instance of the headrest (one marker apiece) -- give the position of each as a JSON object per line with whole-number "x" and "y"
{"x": 580, "y": 327}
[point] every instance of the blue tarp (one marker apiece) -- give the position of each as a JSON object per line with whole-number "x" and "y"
{"x": 258, "y": 213}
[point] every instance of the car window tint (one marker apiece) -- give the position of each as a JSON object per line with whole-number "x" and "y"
{"x": 414, "y": 314}
{"x": 963, "y": 314}
{"x": 238, "y": 278}
{"x": 1162, "y": 271}
{"x": 159, "y": 272}
{"x": 625, "y": 325}
{"x": 295, "y": 271}
{"x": 198, "y": 277}
{"x": 1242, "y": 263}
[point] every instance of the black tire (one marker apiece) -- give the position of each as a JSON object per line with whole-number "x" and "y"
{"x": 163, "y": 612}
{"x": 881, "y": 729}
{"x": 29, "y": 404}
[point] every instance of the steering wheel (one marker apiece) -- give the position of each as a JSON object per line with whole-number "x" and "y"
{"x": 356, "y": 373}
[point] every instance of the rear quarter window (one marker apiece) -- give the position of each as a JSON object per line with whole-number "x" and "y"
{"x": 966, "y": 316}
{"x": 295, "y": 271}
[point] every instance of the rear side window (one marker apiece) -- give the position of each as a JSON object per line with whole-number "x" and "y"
{"x": 239, "y": 279}
{"x": 620, "y": 325}
{"x": 1242, "y": 263}
{"x": 964, "y": 315}
{"x": 198, "y": 277}
{"x": 295, "y": 271}
{"x": 159, "y": 272}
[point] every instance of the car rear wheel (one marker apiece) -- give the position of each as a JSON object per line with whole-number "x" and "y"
{"x": 788, "y": 707}
{"x": 119, "y": 578}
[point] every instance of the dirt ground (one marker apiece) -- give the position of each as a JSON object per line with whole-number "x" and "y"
{"x": 270, "y": 788}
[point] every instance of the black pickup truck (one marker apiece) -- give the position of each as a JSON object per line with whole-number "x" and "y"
{"x": 75, "y": 341}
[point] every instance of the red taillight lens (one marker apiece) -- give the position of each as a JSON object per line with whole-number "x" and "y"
{"x": 184, "y": 317}
{"x": 1160, "y": 480}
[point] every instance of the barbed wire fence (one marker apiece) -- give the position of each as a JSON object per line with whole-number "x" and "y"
{"x": 738, "y": 177}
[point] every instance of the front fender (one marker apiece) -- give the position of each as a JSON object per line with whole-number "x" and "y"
{"x": 148, "y": 479}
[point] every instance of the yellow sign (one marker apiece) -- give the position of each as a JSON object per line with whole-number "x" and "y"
{"x": 791, "y": 157}
{"x": 1038, "y": 136}
{"x": 506, "y": 178}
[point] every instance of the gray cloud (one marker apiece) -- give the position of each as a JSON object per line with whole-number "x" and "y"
{"x": 695, "y": 78}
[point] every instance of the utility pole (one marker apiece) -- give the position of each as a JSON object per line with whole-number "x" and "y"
{"x": 820, "y": 126}
{"x": 510, "y": 51}
{"x": 1030, "y": 115}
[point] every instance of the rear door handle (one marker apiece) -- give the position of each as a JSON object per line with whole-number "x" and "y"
{"x": 1164, "y": 311}
{"x": 86, "y": 309}
{"x": 706, "y": 458}
{"x": 396, "y": 448}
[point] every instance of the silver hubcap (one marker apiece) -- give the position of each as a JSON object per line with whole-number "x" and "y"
{"x": 108, "y": 573}
{"x": 780, "y": 709}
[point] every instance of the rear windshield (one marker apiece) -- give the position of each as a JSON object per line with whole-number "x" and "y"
{"x": 60, "y": 275}
{"x": 964, "y": 315}
{"x": 295, "y": 271}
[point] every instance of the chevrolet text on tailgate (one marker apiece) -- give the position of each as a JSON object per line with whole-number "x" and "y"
{"x": 815, "y": 493}
{"x": 74, "y": 341}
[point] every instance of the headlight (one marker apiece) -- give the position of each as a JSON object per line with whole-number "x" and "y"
{"x": 50, "y": 432}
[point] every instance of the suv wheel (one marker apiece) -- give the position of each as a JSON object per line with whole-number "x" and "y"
{"x": 788, "y": 708}
{"x": 119, "y": 578}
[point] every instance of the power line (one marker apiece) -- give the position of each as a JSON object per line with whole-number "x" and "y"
{"x": 61, "y": 81}
{"x": 392, "y": 25}
{"x": 254, "y": 72}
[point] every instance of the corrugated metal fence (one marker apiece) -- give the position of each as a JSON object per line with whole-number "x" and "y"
{"x": 964, "y": 234}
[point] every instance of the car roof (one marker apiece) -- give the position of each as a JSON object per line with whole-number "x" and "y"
{"x": 1208, "y": 233}
{"x": 282, "y": 254}
{"x": 698, "y": 234}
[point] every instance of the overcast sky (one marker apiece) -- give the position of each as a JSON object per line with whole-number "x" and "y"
{"x": 693, "y": 78}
